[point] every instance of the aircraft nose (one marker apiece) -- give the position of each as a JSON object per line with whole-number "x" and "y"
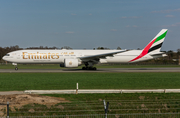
{"x": 4, "y": 58}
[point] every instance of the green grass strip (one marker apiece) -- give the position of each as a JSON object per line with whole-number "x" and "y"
{"x": 48, "y": 81}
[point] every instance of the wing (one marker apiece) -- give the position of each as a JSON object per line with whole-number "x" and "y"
{"x": 97, "y": 57}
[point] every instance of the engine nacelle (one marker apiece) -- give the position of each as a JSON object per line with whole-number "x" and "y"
{"x": 71, "y": 63}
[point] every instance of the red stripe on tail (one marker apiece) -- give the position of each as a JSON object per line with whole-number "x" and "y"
{"x": 145, "y": 51}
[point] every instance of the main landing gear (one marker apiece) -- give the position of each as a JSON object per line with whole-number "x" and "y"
{"x": 89, "y": 68}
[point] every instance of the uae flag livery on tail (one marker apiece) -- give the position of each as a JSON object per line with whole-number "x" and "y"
{"x": 154, "y": 46}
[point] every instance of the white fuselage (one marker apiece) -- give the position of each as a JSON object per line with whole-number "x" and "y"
{"x": 74, "y": 58}
{"x": 58, "y": 56}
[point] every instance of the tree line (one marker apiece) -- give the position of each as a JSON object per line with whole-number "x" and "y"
{"x": 172, "y": 57}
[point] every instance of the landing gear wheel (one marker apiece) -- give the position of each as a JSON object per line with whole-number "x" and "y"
{"x": 16, "y": 68}
{"x": 89, "y": 68}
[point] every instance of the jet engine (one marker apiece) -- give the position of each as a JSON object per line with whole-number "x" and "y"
{"x": 71, "y": 63}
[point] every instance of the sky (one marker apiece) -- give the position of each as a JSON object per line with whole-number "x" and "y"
{"x": 88, "y": 24}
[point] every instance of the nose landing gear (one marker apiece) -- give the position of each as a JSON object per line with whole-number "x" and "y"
{"x": 15, "y": 64}
{"x": 16, "y": 68}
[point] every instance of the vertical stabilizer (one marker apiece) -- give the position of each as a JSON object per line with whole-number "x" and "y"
{"x": 154, "y": 45}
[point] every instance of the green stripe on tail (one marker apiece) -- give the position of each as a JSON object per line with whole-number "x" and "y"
{"x": 160, "y": 37}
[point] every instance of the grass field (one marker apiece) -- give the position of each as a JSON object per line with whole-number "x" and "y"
{"x": 93, "y": 104}
{"x": 56, "y": 66}
{"x": 48, "y": 81}
{"x": 126, "y": 103}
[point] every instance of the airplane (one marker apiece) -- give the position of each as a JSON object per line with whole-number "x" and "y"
{"x": 75, "y": 58}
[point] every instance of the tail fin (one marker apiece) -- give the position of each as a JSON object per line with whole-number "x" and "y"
{"x": 155, "y": 45}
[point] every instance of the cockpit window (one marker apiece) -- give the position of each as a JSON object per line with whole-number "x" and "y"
{"x": 7, "y": 54}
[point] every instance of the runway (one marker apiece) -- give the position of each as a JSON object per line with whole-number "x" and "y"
{"x": 99, "y": 70}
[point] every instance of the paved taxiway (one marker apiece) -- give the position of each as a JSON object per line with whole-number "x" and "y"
{"x": 98, "y": 70}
